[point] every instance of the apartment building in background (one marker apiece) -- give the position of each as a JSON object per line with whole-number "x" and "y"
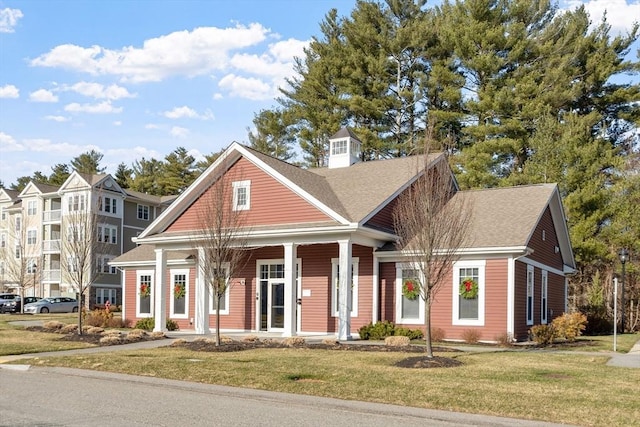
{"x": 35, "y": 222}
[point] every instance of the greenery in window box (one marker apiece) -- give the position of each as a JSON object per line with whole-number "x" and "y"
{"x": 469, "y": 288}
{"x": 411, "y": 289}
{"x": 145, "y": 290}
{"x": 179, "y": 291}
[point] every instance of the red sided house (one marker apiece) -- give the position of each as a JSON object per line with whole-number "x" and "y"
{"x": 304, "y": 229}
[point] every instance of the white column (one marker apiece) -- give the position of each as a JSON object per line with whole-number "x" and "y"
{"x": 344, "y": 300}
{"x": 290, "y": 290}
{"x": 160, "y": 292}
{"x": 376, "y": 290}
{"x": 511, "y": 298}
{"x": 202, "y": 297}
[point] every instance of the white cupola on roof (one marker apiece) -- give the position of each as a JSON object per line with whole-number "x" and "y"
{"x": 344, "y": 149}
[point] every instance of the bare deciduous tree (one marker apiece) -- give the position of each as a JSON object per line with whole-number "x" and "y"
{"x": 82, "y": 261}
{"x": 221, "y": 236}
{"x": 432, "y": 224}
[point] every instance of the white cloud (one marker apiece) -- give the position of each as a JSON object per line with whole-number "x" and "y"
{"x": 43, "y": 145}
{"x": 217, "y": 96}
{"x": 9, "y": 143}
{"x": 43, "y": 95}
{"x": 101, "y": 108}
{"x": 59, "y": 119}
{"x": 179, "y": 132}
{"x": 99, "y": 91}
{"x": 186, "y": 112}
{"x": 621, "y": 14}
{"x": 188, "y": 53}
{"x": 117, "y": 123}
{"x": 152, "y": 126}
{"x": 287, "y": 50}
{"x": 9, "y": 19}
{"x": 9, "y": 91}
{"x": 250, "y": 88}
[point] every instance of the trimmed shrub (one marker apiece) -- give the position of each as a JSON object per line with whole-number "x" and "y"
{"x": 97, "y": 318}
{"x": 412, "y": 334}
{"x": 146, "y": 324}
{"x": 172, "y": 325}
{"x": 379, "y": 331}
{"x": 542, "y": 335}
{"x": 471, "y": 336}
{"x": 569, "y": 326}
{"x": 384, "y": 329}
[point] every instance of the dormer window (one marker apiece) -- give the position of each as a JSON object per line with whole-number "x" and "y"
{"x": 241, "y": 195}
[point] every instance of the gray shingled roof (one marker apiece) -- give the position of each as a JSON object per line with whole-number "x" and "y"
{"x": 354, "y": 191}
{"x": 506, "y": 216}
{"x": 345, "y": 132}
{"x": 147, "y": 253}
{"x": 46, "y": 188}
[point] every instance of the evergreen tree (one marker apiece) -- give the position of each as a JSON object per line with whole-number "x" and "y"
{"x": 145, "y": 175}
{"x": 272, "y": 135}
{"x": 88, "y": 163}
{"x": 202, "y": 165}
{"x": 178, "y": 172}
{"x": 59, "y": 174}
{"x": 124, "y": 175}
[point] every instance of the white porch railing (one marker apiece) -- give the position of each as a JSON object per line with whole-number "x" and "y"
{"x": 51, "y": 276}
{"x": 53, "y": 216}
{"x": 51, "y": 245}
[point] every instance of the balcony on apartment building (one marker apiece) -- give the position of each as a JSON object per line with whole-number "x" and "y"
{"x": 51, "y": 275}
{"x": 51, "y": 246}
{"x": 52, "y": 216}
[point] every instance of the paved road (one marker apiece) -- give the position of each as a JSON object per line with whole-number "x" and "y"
{"x": 52, "y": 397}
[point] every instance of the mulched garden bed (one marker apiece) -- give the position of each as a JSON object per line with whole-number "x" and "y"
{"x": 208, "y": 345}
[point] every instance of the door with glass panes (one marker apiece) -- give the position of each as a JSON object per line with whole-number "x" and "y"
{"x": 271, "y": 297}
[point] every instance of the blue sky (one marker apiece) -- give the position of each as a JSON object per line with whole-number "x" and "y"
{"x": 135, "y": 79}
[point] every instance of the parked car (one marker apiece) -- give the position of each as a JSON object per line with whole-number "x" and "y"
{"x": 6, "y": 299}
{"x": 52, "y": 305}
{"x": 14, "y": 306}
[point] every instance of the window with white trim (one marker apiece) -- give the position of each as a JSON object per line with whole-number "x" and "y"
{"x": 179, "y": 293}
{"x": 103, "y": 264}
{"x": 3, "y": 213}
{"x": 3, "y": 240}
{"x": 32, "y": 207}
{"x": 144, "y": 291}
{"x": 108, "y": 205}
{"x": 530, "y": 290}
{"x": 2, "y": 270}
{"x": 224, "y": 300}
{"x": 17, "y": 251}
{"x": 32, "y": 236}
{"x": 335, "y": 279}
{"x": 75, "y": 232}
{"x": 108, "y": 234}
{"x": 543, "y": 297}
{"x": 143, "y": 212}
{"x": 72, "y": 264}
{"x": 241, "y": 195}
{"x": 76, "y": 202}
{"x": 408, "y": 311}
{"x": 31, "y": 266}
{"x": 468, "y": 311}
{"x": 105, "y": 294}
{"x": 18, "y": 224}
{"x": 339, "y": 147}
